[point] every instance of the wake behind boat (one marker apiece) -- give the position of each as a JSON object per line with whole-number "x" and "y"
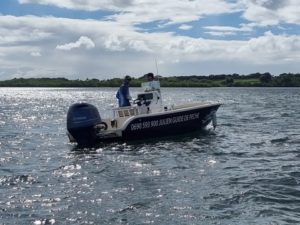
{"x": 147, "y": 118}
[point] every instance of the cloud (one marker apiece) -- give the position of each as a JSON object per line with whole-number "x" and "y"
{"x": 132, "y": 12}
{"x": 19, "y": 31}
{"x": 171, "y": 12}
{"x": 81, "y": 42}
{"x": 270, "y": 47}
{"x": 120, "y": 46}
{"x": 35, "y": 54}
{"x": 262, "y": 12}
{"x": 271, "y": 12}
{"x": 88, "y": 5}
{"x": 185, "y": 27}
{"x": 227, "y": 30}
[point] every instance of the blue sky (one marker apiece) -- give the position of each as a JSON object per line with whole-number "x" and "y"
{"x": 13, "y": 7}
{"x": 109, "y": 38}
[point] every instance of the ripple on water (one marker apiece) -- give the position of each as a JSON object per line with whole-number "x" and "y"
{"x": 245, "y": 172}
{"x": 15, "y": 180}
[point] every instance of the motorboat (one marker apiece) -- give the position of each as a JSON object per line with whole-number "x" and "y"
{"x": 148, "y": 117}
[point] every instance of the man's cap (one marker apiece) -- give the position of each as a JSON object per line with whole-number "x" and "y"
{"x": 127, "y": 77}
{"x": 149, "y": 75}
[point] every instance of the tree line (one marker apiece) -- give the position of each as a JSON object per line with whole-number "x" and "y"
{"x": 222, "y": 80}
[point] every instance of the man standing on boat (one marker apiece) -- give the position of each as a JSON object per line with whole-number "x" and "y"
{"x": 123, "y": 93}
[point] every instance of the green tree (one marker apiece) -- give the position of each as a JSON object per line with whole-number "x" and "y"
{"x": 265, "y": 78}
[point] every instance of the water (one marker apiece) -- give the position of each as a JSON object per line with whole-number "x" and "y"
{"x": 247, "y": 171}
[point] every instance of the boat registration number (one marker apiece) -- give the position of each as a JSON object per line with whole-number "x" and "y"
{"x": 164, "y": 121}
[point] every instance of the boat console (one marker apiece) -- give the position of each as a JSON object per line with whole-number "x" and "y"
{"x": 148, "y": 101}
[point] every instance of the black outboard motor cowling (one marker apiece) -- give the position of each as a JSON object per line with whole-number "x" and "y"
{"x": 81, "y": 121}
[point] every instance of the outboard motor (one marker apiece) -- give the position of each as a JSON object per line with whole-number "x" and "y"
{"x": 81, "y": 121}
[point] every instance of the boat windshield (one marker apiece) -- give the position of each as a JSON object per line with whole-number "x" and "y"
{"x": 151, "y": 86}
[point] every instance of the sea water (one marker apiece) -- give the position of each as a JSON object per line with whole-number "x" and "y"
{"x": 246, "y": 171}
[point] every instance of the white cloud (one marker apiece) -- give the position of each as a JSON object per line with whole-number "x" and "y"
{"x": 263, "y": 12}
{"x": 227, "y": 30}
{"x": 185, "y": 27}
{"x": 81, "y": 42}
{"x": 171, "y": 12}
{"x": 35, "y": 54}
{"x": 270, "y": 47}
{"x": 143, "y": 11}
{"x": 119, "y": 47}
{"x": 220, "y": 33}
{"x": 16, "y": 31}
{"x": 114, "y": 43}
{"x": 117, "y": 42}
{"x": 88, "y": 5}
{"x": 271, "y": 12}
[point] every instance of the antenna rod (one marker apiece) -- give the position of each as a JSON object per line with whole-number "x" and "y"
{"x": 156, "y": 66}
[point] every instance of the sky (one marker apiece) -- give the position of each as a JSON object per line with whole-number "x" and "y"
{"x": 102, "y": 39}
